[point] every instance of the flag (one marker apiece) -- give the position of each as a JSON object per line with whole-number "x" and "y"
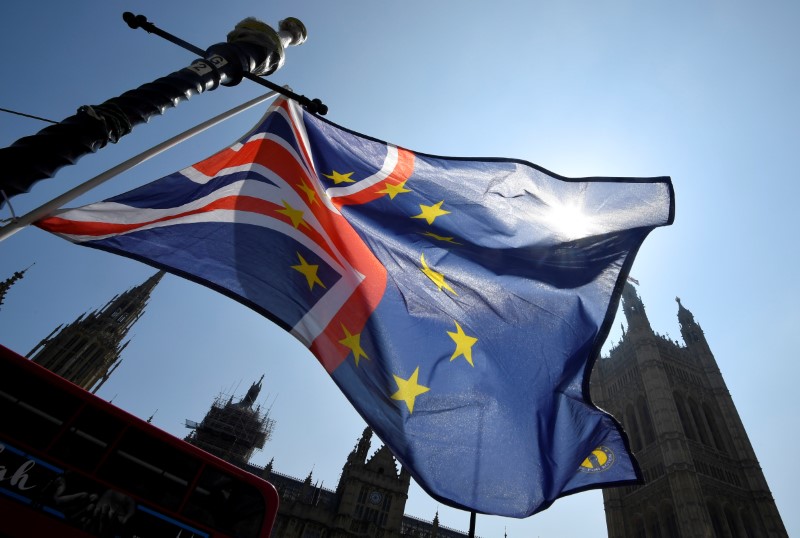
{"x": 459, "y": 304}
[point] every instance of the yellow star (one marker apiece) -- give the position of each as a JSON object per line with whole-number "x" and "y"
{"x": 393, "y": 190}
{"x": 464, "y": 344}
{"x": 311, "y": 194}
{"x": 409, "y": 389}
{"x": 353, "y": 342}
{"x": 441, "y": 238}
{"x": 430, "y": 212}
{"x": 340, "y": 178}
{"x": 295, "y": 215}
{"x": 308, "y": 271}
{"x": 437, "y": 278}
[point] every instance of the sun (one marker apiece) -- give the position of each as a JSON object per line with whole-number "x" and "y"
{"x": 569, "y": 220}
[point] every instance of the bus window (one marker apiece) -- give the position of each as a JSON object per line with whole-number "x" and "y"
{"x": 29, "y": 414}
{"x": 150, "y": 468}
{"x": 87, "y": 439}
{"x": 225, "y": 503}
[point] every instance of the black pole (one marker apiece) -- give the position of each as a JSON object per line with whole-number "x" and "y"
{"x": 252, "y": 48}
{"x": 140, "y": 21}
{"x": 472, "y": 524}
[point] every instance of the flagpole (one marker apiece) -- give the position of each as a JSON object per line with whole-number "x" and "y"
{"x": 45, "y": 209}
{"x": 472, "y": 518}
{"x": 252, "y": 47}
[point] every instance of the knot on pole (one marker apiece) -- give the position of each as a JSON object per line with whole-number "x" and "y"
{"x": 272, "y": 43}
{"x": 114, "y": 123}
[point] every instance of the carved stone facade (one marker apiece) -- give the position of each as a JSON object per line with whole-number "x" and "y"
{"x": 701, "y": 474}
{"x": 87, "y": 351}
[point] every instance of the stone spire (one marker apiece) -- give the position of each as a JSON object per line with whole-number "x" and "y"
{"x": 633, "y": 308}
{"x": 252, "y": 393}
{"x": 361, "y": 450}
{"x": 88, "y": 350}
{"x": 690, "y": 329}
{"x": 6, "y": 284}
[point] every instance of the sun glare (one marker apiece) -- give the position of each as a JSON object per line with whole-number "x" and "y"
{"x": 569, "y": 220}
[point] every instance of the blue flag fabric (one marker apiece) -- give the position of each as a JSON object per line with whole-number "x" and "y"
{"x": 459, "y": 304}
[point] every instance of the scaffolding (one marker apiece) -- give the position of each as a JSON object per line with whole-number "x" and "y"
{"x": 232, "y": 431}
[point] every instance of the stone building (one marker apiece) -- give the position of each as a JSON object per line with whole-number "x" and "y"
{"x": 701, "y": 474}
{"x": 87, "y": 351}
{"x": 369, "y": 501}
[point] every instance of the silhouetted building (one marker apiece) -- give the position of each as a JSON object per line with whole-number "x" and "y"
{"x": 701, "y": 474}
{"x": 368, "y": 501}
{"x": 7, "y": 283}
{"x": 233, "y": 431}
{"x": 87, "y": 351}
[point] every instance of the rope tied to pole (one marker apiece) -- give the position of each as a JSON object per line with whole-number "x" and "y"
{"x": 115, "y": 124}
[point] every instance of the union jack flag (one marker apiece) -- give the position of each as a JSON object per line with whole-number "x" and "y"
{"x": 459, "y": 304}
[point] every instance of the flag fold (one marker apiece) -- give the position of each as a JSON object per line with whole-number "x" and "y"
{"x": 459, "y": 304}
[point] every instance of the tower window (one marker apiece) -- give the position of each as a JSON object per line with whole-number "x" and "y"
{"x": 119, "y": 315}
{"x": 702, "y": 433}
{"x": 712, "y": 424}
{"x": 668, "y": 517}
{"x": 645, "y": 421}
{"x": 716, "y": 520}
{"x": 688, "y": 430}
{"x": 632, "y": 427}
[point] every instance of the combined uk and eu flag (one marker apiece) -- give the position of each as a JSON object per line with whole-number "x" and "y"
{"x": 459, "y": 304}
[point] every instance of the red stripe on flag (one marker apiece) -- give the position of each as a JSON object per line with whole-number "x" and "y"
{"x": 96, "y": 229}
{"x": 401, "y": 172}
{"x": 230, "y": 203}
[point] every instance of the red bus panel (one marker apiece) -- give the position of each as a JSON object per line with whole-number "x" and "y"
{"x": 72, "y": 464}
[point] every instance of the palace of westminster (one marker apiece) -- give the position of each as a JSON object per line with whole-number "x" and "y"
{"x": 701, "y": 474}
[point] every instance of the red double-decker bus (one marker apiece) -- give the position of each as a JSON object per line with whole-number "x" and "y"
{"x": 73, "y": 465}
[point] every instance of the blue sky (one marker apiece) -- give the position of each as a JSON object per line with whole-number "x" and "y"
{"x": 705, "y": 92}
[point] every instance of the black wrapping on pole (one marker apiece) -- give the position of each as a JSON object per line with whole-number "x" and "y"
{"x": 40, "y": 156}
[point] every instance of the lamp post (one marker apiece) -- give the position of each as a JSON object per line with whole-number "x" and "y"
{"x": 251, "y": 48}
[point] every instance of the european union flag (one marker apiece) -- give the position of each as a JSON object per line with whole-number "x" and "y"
{"x": 459, "y": 304}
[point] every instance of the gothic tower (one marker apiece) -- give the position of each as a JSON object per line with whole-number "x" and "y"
{"x": 369, "y": 500}
{"x": 87, "y": 351}
{"x": 701, "y": 474}
{"x": 372, "y": 493}
{"x": 233, "y": 431}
